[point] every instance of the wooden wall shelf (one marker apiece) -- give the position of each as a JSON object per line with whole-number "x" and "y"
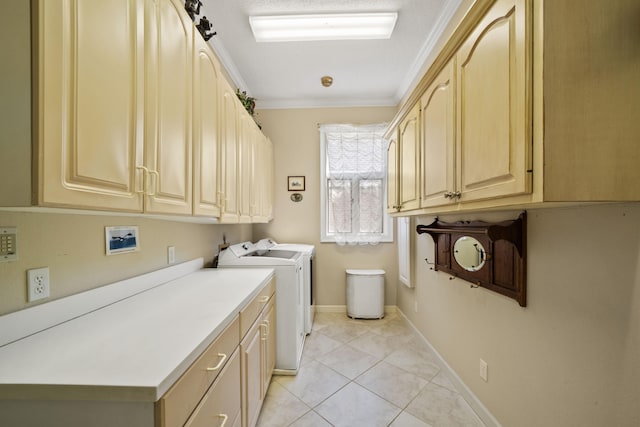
{"x": 499, "y": 260}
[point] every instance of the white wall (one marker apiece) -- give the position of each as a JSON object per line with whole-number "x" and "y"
{"x": 296, "y": 141}
{"x": 572, "y": 356}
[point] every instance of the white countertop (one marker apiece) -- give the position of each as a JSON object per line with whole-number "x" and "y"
{"x": 133, "y": 349}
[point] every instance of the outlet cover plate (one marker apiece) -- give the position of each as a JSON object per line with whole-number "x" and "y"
{"x": 37, "y": 284}
{"x": 484, "y": 370}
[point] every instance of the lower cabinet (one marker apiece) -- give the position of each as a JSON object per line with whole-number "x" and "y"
{"x": 257, "y": 353}
{"x": 179, "y": 402}
{"x": 221, "y": 404}
{"x": 227, "y": 384}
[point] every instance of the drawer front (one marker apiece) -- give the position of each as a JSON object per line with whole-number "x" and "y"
{"x": 177, "y": 404}
{"x": 250, "y": 312}
{"x": 221, "y": 405}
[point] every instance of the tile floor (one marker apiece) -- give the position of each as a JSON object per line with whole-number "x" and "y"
{"x": 365, "y": 373}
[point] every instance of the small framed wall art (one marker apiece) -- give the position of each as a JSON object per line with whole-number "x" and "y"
{"x": 295, "y": 183}
{"x": 121, "y": 239}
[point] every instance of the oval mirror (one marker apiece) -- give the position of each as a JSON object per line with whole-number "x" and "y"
{"x": 469, "y": 253}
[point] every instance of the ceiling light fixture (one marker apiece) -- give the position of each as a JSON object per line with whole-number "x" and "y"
{"x": 352, "y": 26}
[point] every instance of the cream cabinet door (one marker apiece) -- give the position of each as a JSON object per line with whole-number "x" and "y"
{"x": 258, "y": 176}
{"x": 251, "y": 357}
{"x": 90, "y": 123}
{"x": 266, "y": 187}
{"x": 206, "y": 104}
{"x": 269, "y": 344}
{"x": 392, "y": 175}
{"x": 262, "y": 179}
{"x": 409, "y": 168}
{"x": 494, "y": 131}
{"x": 245, "y": 159}
{"x": 438, "y": 141}
{"x": 229, "y": 210}
{"x": 168, "y": 97}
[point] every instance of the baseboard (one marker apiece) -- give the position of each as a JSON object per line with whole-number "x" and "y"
{"x": 477, "y": 406}
{"x": 343, "y": 308}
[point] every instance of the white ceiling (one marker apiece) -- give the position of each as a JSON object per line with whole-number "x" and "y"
{"x": 365, "y": 72}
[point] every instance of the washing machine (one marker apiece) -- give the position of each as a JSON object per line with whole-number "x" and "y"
{"x": 308, "y": 258}
{"x": 289, "y": 296}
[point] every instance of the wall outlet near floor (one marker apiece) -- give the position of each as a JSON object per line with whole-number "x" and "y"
{"x": 484, "y": 370}
{"x": 171, "y": 254}
{"x": 37, "y": 284}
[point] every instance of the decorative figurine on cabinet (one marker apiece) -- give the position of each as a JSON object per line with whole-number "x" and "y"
{"x": 205, "y": 28}
{"x": 193, "y": 8}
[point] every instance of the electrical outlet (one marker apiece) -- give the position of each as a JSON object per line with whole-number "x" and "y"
{"x": 484, "y": 370}
{"x": 415, "y": 306}
{"x": 171, "y": 254}
{"x": 37, "y": 284}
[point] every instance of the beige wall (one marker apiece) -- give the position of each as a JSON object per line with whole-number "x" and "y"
{"x": 296, "y": 143}
{"x": 572, "y": 356}
{"x": 73, "y": 248}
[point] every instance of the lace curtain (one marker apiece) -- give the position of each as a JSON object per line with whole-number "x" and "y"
{"x": 355, "y": 173}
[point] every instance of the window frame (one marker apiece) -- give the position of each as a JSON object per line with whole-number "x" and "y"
{"x": 387, "y": 222}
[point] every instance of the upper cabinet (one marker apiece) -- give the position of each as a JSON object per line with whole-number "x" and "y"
{"x": 246, "y": 144}
{"x": 408, "y": 156}
{"x": 494, "y": 123}
{"x": 89, "y": 130}
{"x": 139, "y": 120}
{"x": 261, "y": 178}
{"x": 206, "y": 129}
{"x": 168, "y": 127}
{"x": 230, "y": 110}
{"x": 494, "y": 133}
{"x": 439, "y": 185}
{"x": 392, "y": 174}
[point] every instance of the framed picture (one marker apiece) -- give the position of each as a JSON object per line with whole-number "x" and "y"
{"x": 121, "y": 239}
{"x": 295, "y": 183}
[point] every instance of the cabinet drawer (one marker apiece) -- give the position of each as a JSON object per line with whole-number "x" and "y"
{"x": 251, "y": 311}
{"x": 176, "y": 405}
{"x": 221, "y": 404}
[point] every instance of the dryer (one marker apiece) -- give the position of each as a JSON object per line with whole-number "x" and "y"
{"x": 288, "y": 268}
{"x": 308, "y": 258}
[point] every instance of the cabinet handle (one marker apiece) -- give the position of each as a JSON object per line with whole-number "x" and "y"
{"x": 266, "y": 324}
{"x": 224, "y": 419}
{"x": 215, "y": 368}
{"x": 145, "y": 171}
{"x": 155, "y": 182}
{"x": 263, "y": 299}
{"x": 452, "y": 195}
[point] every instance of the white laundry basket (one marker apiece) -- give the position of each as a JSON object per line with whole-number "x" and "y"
{"x": 365, "y": 294}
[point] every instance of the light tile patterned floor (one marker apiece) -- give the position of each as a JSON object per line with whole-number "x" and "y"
{"x": 365, "y": 373}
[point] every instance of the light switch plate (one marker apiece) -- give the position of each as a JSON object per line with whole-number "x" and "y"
{"x": 8, "y": 244}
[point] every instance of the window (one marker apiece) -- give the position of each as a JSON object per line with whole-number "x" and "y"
{"x": 354, "y": 175}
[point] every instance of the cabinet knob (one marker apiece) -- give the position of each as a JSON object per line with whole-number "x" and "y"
{"x": 448, "y": 195}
